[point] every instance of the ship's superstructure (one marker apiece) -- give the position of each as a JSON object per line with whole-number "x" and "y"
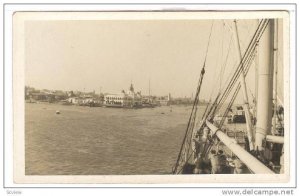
{"x": 211, "y": 145}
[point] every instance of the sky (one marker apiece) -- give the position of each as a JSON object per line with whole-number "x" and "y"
{"x": 108, "y": 55}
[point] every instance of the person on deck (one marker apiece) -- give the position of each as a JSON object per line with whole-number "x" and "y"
{"x": 201, "y": 166}
{"x": 218, "y": 162}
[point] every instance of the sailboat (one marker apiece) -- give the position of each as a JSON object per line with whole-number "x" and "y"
{"x": 212, "y": 146}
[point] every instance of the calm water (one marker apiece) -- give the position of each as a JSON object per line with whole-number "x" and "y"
{"x": 95, "y": 141}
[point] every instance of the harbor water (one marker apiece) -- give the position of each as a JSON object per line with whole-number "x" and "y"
{"x": 102, "y": 141}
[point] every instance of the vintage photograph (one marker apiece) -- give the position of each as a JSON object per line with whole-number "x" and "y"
{"x": 148, "y": 96}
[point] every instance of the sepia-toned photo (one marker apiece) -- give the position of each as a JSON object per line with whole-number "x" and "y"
{"x": 170, "y": 94}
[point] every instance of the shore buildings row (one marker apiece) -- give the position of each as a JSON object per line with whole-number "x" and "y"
{"x": 125, "y": 99}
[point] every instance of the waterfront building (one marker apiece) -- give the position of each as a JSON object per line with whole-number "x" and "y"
{"x": 124, "y": 99}
{"x": 74, "y": 100}
{"x": 115, "y": 100}
{"x": 39, "y": 96}
{"x": 59, "y": 95}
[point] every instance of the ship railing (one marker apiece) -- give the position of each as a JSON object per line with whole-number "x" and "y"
{"x": 249, "y": 160}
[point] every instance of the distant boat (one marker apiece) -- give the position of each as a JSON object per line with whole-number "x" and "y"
{"x": 147, "y": 105}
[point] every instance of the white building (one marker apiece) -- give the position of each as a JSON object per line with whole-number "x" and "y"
{"x": 129, "y": 99}
{"x": 115, "y": 100}
{"x": 73, "y": 100}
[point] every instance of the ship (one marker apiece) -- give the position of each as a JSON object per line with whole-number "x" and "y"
{"x": 244, "y": 142}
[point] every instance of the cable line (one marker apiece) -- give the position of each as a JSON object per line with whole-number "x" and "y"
{"x": 192, "y": 117}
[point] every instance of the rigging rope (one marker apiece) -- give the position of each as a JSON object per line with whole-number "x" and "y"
{"x": 246, "y": 71}
{"x": 221, "y": 97}
{"x": 221, "y": 71}
{"x": 245, "y": 59}
{"x": 192, "y": 117}
{"x": 226, "y": 59}
{"x": 234, "y": 95}
{"x": 250, "y": 47}
{"x": 208, "y": 42}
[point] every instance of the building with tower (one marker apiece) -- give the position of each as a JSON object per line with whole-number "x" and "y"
{"x": 129, "y": 99}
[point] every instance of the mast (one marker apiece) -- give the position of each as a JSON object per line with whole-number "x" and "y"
{"x": 265, "y": 86}
{"x": 245, "y": 94}
{"x": 275, "y": 76}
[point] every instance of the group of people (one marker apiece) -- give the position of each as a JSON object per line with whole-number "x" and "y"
{"x": 215, "y": 162}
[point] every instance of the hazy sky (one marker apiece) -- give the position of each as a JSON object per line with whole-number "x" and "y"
{"x": 89, "y": 55}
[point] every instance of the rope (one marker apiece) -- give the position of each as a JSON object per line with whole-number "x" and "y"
{"x": 250, "y": 47}
{"x": 235, "y": 94}
{"x": 246, "y": 59}
{"x": 238, "y": 88}
{"x": 192, "y": 117}
{"x": 226, "y": 60}
{"x": 248, "y": 63}
{"x": 249, "y": 52}
{"x": 190, "y": 120}
{"x": 222, "y": 43}
{"x": 230, "y": 105}
{"x": 212, "y": 24}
